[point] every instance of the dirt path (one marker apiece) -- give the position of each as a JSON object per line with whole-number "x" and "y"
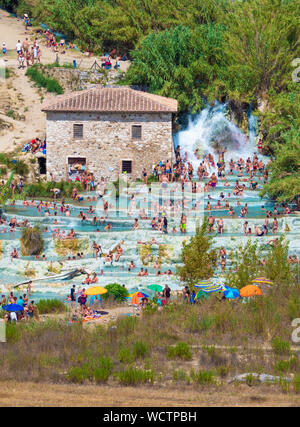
{"x": 18, "y": 94}
{"x": 32, "y": 394}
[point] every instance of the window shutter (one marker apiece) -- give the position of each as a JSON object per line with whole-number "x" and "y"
{"x": 78, "y": 131}
{"x": 127, "y": 166}
{"x": 136, "y": 132}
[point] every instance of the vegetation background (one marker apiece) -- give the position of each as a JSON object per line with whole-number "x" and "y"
{"x": 197, "y": 52}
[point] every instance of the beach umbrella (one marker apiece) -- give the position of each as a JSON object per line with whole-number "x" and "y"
{"x": 13, "y": 307}
{"x": 95, "y": 290}
{"x": 262, "y": 280}
{"x": 231, "y": 293}
{"x": 204, "y": 283}
{"x": 135, "y": 297}
{"x": 250, "y": 291}
{"x": 212, "y": 288}
{"x": 139, "y": 295}
{"x": 201, "y": 294}
{"x": 156, "y": 288}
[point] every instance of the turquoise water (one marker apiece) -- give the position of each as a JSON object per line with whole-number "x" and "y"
{"x": 159, "y": 202}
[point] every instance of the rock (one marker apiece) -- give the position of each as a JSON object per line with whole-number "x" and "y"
{"x": 258, "y": 377}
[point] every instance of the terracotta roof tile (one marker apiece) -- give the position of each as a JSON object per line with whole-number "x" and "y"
{"x": 117, "y": 99}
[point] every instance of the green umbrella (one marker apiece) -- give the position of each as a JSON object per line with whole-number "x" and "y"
{"x": 201, "y": 294}
{"x": 156, "y": 288}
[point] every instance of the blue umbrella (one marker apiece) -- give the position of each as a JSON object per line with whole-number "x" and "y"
{"x": 231, "y": 293}
{"x": 13, "y": 307}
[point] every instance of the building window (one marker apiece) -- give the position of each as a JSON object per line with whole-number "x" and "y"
{"x": 42, "y": 165}
{"x": 136, "y": 132}
{"x": 77, "y": 131}
{"x": 126, "y": 166}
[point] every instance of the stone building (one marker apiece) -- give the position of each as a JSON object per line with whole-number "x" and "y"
{"x": 107, "y": 131}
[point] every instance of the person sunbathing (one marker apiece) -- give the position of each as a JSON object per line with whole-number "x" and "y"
{"x": 94, "y": 279}
{"x": 87, "y": 281}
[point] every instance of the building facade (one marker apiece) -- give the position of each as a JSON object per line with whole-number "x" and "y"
{"x": 108, "y": 131}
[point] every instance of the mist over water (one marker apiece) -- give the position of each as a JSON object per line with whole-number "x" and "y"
{"x": 211, "y": 131}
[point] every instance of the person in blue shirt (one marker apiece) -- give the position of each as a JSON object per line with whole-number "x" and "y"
{"x": 96, "y": 299}
{"x": 20, "y": 301}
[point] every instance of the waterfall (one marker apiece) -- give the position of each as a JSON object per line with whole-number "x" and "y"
{"x": 211, "y": 132}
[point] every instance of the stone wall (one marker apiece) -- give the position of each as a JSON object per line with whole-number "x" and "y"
{"x": 107, "y": 141}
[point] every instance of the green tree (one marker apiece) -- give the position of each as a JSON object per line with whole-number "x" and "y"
{"x": 259, "y": 44}
{"x": 198, "y": 257}
{"x": 284, "y": 183}
{"x": 245, "y": 265}
{"x": 276, "y": 267}
{"x": 178, "y": 63}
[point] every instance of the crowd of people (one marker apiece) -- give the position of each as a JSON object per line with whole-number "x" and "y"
{"x": 36, "y": 145}
{"x": 23, "y": 309}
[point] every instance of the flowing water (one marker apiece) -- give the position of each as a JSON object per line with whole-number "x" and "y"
{"x": 206, "y": 132}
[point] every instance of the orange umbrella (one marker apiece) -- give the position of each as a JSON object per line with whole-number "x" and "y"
{"x": 250, "y": 291}
{"x": 135, "y": 299}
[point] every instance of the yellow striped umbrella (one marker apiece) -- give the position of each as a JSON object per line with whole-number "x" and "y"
{"x": 262, "y": 280}
{"x": 204, "y": 283}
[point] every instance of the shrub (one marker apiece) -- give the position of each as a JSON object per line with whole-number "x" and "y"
{"x": 280, "y": 346}
{"x": 286, "y": 365}
{"x": 181, "y": 375}
{"x": 46, "y": 306}
{"x": 50, "y": 84}
{"x": 97, "y": 370}
{"x": 73, "y": 246}
{"x": 206, "y": 323}
{"x": 222, "y": 371}
{"x": 13, "y": 332}
{"x": 282, "y": 366}
{"x": 4, "y": 159}
{"x": 116, "y": 291}
{"x": 31, "y": 241}
{"x": 202, "y": 377}
{"x": 78, "y": 374}
{"x": 21, "y": 168}
{"x": 125, "y": 355}
{"x": 296, "y": 383}
{"x": 140, "y": 349}
{"x": 180, "y": 350}
{"x": 132, "y": 376}
{"x": 285, "y": 385}
{"x": 103, "y": 369}
{"x": 43, "y": 189}
{"x": 57, "y": 65}
{"x": 251, "y": 380}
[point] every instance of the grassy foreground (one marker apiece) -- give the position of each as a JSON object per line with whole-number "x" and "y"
{"x": 202, "y": 345}
{"x": 44, "y": 394}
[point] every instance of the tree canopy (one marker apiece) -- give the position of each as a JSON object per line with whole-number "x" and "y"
{"x": 199, "y": 51}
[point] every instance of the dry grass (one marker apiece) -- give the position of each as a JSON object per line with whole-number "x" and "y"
{"x": 62, "y": 395}
{"x": 47, "y": 351}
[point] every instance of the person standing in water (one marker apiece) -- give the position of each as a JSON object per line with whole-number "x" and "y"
{"x": 183, "y": 224}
